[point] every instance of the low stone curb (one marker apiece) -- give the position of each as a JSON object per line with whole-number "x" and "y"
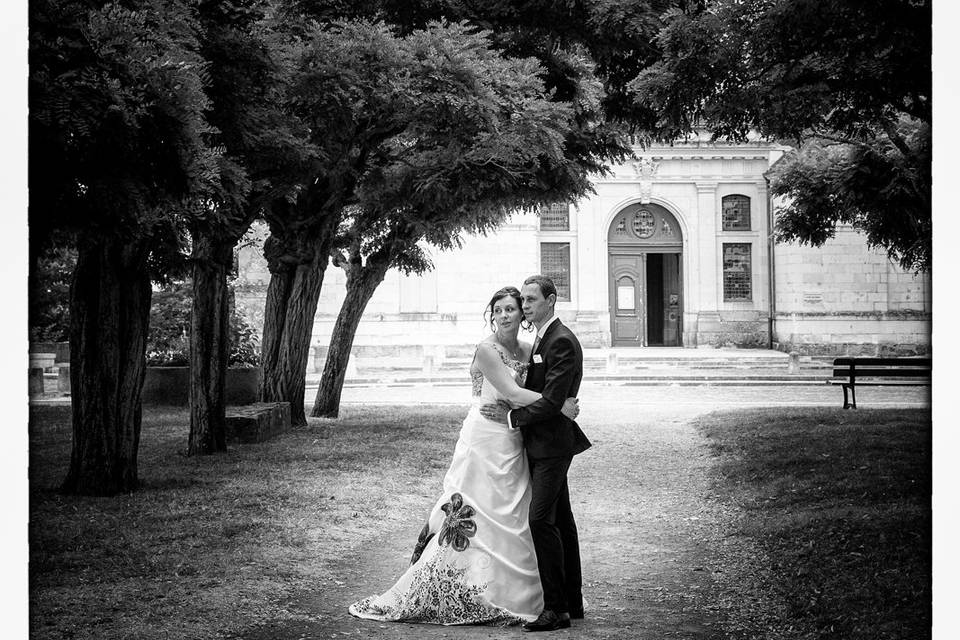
{"x": 257, "y": 422}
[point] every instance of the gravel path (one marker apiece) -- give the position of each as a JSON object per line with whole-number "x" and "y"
{"x": 648, "y": 539}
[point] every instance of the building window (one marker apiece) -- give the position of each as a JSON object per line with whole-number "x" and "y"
{"x": 737, "y": 285}
{"x": 736, "y": 213}
{"x": 555, "y": 264}
{"x": 556, "y": 217}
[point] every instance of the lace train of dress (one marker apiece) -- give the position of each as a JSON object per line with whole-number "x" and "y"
{"x": 474, "y": 562}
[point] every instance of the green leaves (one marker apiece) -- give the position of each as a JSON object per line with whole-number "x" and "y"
{"x": 117, "y": 106}
{"x": 790, "y": 68}
{"x": 848, "y": 82}
{"x": 872, "y": 186}
{"x": 424, "y": 136}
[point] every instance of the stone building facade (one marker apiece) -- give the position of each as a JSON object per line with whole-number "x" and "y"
{"x": 673, "y": 249}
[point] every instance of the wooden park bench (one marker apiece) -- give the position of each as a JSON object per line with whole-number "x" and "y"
{"x": 851, "y": 373}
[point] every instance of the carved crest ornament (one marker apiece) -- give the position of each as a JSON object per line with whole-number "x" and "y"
{"x": 646, "y": 170}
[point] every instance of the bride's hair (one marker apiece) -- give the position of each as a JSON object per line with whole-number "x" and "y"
{"x": 514, "y": 293}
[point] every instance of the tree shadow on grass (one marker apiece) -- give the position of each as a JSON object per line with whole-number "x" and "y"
{"x": 839, "y": 502}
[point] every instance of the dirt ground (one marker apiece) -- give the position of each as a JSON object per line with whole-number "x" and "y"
{"x": 657, "y": 561}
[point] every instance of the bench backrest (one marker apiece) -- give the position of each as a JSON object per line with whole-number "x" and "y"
{"x": 882, "y": 367}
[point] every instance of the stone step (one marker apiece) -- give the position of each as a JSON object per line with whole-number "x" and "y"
{"x": 634, "y": 365}
{"x": 614, "y": 379}
{"x": 393, "y": 375}
{"x": 644, "y": 364}
{"x": 712, "y": 362}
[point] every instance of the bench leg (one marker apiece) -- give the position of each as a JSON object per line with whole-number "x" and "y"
{"x": 853, "y": 396}
{"x": 846, "y": 404}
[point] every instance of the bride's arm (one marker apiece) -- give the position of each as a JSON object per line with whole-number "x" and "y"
{"x": 488, "y": 359}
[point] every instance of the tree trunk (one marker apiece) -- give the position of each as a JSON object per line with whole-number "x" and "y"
{"x": 360, "y": 288}
{"x": 209, "y": 345}
{"x": 295, "y": 282}
{"x": 109, "y": 321}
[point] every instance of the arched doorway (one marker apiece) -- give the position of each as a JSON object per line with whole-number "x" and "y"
{"x": 646, "y": 295}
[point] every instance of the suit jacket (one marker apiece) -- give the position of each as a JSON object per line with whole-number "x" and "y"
{"x": 547, "y": 433}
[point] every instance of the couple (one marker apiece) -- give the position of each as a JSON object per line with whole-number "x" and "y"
{"x": 501, "y": 544}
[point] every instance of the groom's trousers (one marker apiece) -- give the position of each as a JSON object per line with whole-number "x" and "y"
{"x": 555, "y": 534}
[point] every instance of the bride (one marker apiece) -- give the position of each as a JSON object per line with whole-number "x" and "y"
{"x": 474, "y": 562}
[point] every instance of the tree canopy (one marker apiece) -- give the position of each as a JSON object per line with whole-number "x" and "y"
{"x": 617, "y": 36}
{"x": 117, "y": 126}
{"x": 420, "y": 134}
{"x": 847, "y": 81}
{"x": 478, "y": 137}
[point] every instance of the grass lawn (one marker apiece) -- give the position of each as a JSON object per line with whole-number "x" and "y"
{"x": 212, "y": 545}
{"x": 839, "y": 501}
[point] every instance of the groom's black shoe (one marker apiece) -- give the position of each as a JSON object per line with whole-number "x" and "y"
{"x": 548, "y": 621}
{"x": 576, "y": 614}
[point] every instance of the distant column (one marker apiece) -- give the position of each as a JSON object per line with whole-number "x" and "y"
{"x": 708, "y": 279}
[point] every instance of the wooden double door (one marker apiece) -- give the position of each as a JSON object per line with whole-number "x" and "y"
{"x": 646, "y": 297}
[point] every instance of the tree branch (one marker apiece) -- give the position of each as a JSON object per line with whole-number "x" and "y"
{"x": 840, "y": 139}
{"x": 898, "y": 141}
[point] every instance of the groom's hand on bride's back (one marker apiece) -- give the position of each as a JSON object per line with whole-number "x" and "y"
{"x": 495, "y": 412}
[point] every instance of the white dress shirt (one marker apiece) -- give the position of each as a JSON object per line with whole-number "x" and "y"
{"x": 542, "y": 330}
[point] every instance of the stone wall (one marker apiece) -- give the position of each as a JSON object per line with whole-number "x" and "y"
{"x": 741, "y": 329}
{"x": 845, "y": 298}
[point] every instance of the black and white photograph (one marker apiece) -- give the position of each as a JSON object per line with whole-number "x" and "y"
{"x": 403, "y": 319}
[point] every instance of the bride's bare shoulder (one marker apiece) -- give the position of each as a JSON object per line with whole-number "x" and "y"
{"x": 489, "y": 352}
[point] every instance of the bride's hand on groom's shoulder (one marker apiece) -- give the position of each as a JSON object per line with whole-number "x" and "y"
{"x": 495, "y": 412}
{"x": 571, "y": 408}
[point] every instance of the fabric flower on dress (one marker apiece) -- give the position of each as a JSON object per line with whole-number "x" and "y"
{"x": 457, "y": 527}
{"x": 422, "y": 540}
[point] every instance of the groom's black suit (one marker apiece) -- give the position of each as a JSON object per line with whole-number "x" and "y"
{"x": 551, "y": 440}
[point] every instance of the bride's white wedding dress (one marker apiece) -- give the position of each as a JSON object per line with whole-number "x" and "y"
{"x": 474, "y": 562}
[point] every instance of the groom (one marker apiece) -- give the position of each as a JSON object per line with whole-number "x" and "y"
{"x": 551, "y": 440}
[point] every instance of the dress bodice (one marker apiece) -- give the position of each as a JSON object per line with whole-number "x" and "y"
{"x": 484, "y": 390}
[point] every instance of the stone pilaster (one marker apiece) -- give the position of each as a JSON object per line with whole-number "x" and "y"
{"x": 706, "y": 280}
